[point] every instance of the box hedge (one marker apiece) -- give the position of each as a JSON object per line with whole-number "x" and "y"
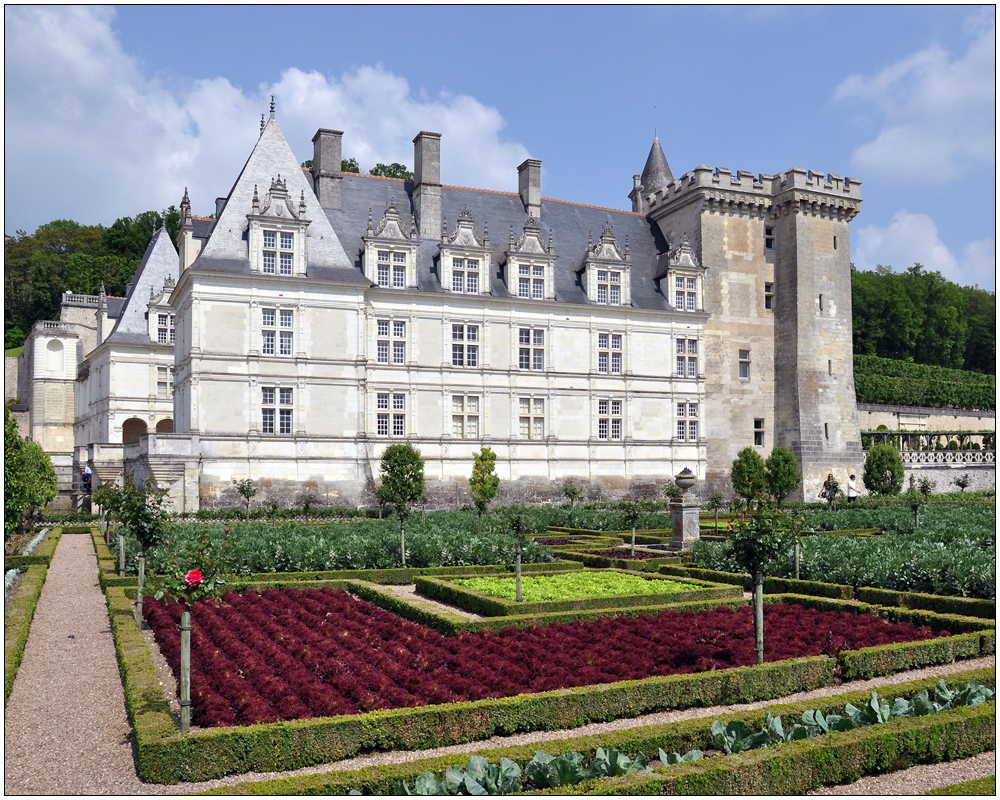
{"x": 647, "y": 739}
{"x": 965, "y": 606}
{"x": 489, "y": 606}
{"x": 17, "y": 623}
{"x": 605, "y": 562}
{"x": 712, "y": 575}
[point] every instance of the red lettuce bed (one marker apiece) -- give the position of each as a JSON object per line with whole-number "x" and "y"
{"x": 293, "y": 654}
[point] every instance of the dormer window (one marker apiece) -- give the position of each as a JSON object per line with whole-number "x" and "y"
{"x": 464, "y": 257}
{"x": 685, "y": 293}
{"x": 531, "y": 281}
{"x": 465, "y": 275}
{"x": 390, "y": 251}
{"x": 276, "y": 234}
{"x": 528, "y": 264}
{"x": 607, "y": 268}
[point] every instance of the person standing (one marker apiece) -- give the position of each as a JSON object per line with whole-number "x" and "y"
{"x": 852, "y": 489}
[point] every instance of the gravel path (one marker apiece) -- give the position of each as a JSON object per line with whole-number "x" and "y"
{"x": 66, "y": 730}
{"x": 65, "y": 727}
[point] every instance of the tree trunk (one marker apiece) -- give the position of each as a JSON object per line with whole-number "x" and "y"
{"x": 758, "y": 615}
{"x": 633, "y": 542}
{"x": 480, "y": 523}
{"x": 518, "y": 596}
{"x": 716, "y": 522}
{"x": 142, "y": 576}
{"x": 121, "y": 554}
{"x": 185, "y": 700}
{"x": 402, "y": 542}
{"x": 797, "y": 554}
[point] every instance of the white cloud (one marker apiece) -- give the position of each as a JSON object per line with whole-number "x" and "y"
{"x": 913, "y": 238}
{"x": 89, "y": 138}
{"x": 937, "y": 113}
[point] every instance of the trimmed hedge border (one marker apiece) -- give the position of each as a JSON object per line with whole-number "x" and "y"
{"x": 833, "y": 759}
{"x": 17, "y": 620}
{"x": 634, "y": 565}
{"x": 938, "y": 604}
{"x": 489, "y": 606}
{"x": 17, "y": 623}
{"x": 20, "y": 562}
{"x": 675, "y": 736}
{"x": 165, "y": 756}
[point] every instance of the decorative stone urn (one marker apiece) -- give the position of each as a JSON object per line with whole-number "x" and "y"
{"x": 684, "y": 513}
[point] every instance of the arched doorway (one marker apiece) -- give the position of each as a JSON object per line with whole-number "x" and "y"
{"x": 165, "y": 426}
{"x": 133, "y": 429}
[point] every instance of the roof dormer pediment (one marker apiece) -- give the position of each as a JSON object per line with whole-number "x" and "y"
{"x": 391, "y": 226}
{"x": 465, "y": 234}
{"x": 606, "y": 248}
{"x": 531, "y": 241}
{"x": 277, "y": 202}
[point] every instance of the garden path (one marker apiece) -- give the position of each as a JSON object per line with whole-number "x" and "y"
{"x": 65, "y": 726}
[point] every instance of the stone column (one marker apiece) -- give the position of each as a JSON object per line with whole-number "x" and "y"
{"x": 684, "y": 514}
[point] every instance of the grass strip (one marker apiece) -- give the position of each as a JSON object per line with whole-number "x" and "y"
{"x": 647, "y": 739}
{"x": 977, "y": 786}
{"x": 487, "y": 605}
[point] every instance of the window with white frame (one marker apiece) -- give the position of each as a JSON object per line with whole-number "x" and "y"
{"x": 464, "y": 345}
{"x": 383, "y": 268}
{"x": 531, "y": 348}
{"x": 390, "y": 414}
{"x": 687, "y": 358}
{"x": 285, "y": 256}
{"x": 276, "y": 406}
{"x": 685, "y": 293}
{"x": 744, "y": 364}
{"x": 609, "y": 287}
{"x": 399, "y": 270}
{"x": 465, "y": 275}
{"x": 609, "y": 419}
{"x": 758, "y": 432}
{"x": 270, "y": 251}
{"x": 687, "y": 422}
{"x": 164, "y": 382}
{"x": 531, "y": 281}
{"x": 609, "y": 353}
{"x": 465, "y": 416}
{"x": 531, "y": 419}
{"x": 269, "y": 336}
{"x": 391, "y": 339}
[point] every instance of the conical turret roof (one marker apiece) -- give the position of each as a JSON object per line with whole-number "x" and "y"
{"x": 656, "y": 174}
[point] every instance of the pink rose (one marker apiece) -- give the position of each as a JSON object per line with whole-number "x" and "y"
{"x": 227, "y": 530}
{"x": 193, "y": 578}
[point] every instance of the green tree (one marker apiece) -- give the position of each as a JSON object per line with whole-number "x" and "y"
{"x": 484, "y": 482}
{"x": 748, "y": 475}
{"x": 762, "y": 535}
{"x": 782, "y": 475}
{"x": 572, "y": 491}
{"x": 393, "y": 170}
{"x": 129, "y": 236}
{"x": 402, "y": 471}
{"x": 142, "y": 510}
{"x": 883, "y": 470}
{"x": 350, "y": 165}
{"x": 29, "y": 477}
{"x": 247, "y": 491}
{"x": 716, "y": 503}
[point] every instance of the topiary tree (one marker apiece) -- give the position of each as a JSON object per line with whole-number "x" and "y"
{"x": 248, "y": 491}
{"x": 762, "y": 535}
{"x": 484, "y": 483}
{"x": 963, "y": 481}
{"x": 782, "y": 475}
{"x": 716, "y": 503}
{"x": 883, "y": 470}
{"x": 142, "y": 511}
{"x": 748, "y": 474}
{"x": 572, "y": 492}
{"x": 402, "y": 471}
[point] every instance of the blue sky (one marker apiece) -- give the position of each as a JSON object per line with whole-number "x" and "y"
{"x": 114, "y": 111}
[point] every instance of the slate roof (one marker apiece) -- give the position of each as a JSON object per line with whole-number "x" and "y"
{"x": 226, "y": 247}
{"x": 159, "y": 262}
{"x": 656, "y": 174}
{"x": 571, "y": 225}
{"x": 335, "y": 235}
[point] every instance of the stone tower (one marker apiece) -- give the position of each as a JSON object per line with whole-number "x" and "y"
{"x": 777, "y": 352}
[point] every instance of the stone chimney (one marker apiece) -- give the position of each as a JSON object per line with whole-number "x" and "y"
{"x": 529, "y": 186}
{"x": 427, "y": 184}
{"x": 327, "y": 177}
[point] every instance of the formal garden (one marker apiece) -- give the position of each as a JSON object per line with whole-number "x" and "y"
{"x": 307, "y": 641}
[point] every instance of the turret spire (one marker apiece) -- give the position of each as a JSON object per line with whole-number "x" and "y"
{"x": 656, "y": 174}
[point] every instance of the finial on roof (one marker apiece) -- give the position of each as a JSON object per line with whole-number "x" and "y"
{"x": 550, "y": 241}
{"x": 302, "y": 204}
{"x": 512, "y": 236}
{"x": 102, "y": 287}
{"x": 272, "y": 106}
{"x": 151, "y": 294}
{"x": 261, "y": 123}
{"x": 444, "y": 227}
{"x": 413, "y": 226}
{"x": 590, "y": 239}
{"x": 163, "y": 220}
{"x": 256, "y": 200}
{"x": 486, "y": 233}
{"x": 626, "y": 245}
{"x": 371, "y": 227}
